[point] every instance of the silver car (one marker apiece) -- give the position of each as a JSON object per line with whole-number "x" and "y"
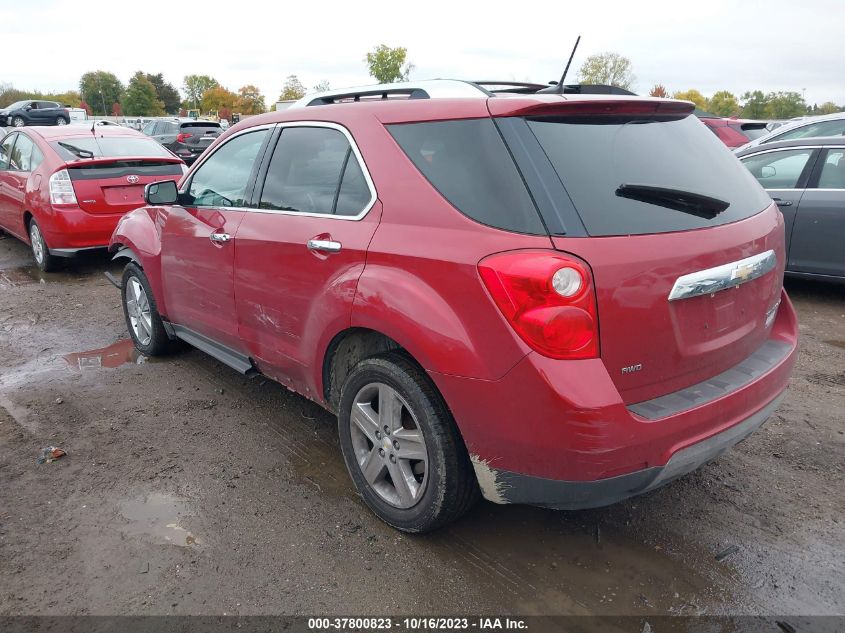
{"x": 806, "y": 178}
{"x": 807, "y": 127}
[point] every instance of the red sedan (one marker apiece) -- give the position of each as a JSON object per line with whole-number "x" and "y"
{"x": 63, "y": 189}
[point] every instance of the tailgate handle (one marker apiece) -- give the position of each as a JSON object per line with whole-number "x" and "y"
{"x": 711, "y": 280}
{"x": 783, "y": 203}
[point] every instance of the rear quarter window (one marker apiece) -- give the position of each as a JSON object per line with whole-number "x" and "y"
{"x": 468, "y": 163}
{"x": 598, "y": 160}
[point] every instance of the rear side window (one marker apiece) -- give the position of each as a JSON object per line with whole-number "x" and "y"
{"x": 780, "y": 169}
{"x": 26, "y": 156}
{"x": 630, "y": 176}
{"x": 812, "y": 130}
{"x": 314, "y": 170}
{"x": 469, "y": 164}
{"x": 833, "y": 170}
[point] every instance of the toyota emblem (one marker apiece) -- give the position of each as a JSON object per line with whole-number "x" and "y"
{"x": 132, "y": 179}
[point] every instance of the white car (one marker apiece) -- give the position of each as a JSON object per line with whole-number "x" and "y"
{"x": 806, "y": 127}
{"x": 90, "y": 122}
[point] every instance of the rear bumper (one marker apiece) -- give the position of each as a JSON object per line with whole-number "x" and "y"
{"x": 69, "y": 230}
{"x": 576, "y": 495}
{"x": 558, "y": 434}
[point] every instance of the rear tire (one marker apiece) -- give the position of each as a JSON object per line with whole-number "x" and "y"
{"x": 421, "y": 449}
{"x": 142, "y": 317}
{"x": 40, "y": 252}
{"x": 60, "y": 120}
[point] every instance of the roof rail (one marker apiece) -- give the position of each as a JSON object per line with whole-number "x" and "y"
{"x": 426, "y": 89}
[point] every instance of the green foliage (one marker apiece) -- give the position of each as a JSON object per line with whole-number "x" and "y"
{"x": 723, "y": 103}
{"x": 785, "y": 105}
{"x": 217, "y": 98}
{"x": 693, "y": 95}
{"x": 140, "y": 98}
{"x": 754, "y": 105}
{"x": 195, "y": 86}
{"x": 828, "y": 107}
{"x": 388, "y": 65}
{"x": 292, "y": 90}
{"x": 607, "y": 68}
{"x": 100, "y": 89}
{"x": 165, "y": 92}
{"x": 250, "y": 100}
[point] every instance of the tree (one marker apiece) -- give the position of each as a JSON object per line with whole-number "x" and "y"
{"x": 100, "y": 88}
{"x": 250, "y": 100}
{"x": 70, "y": 98}
{"x": 195, "y": 87}
{"x": 785, "y": 105}
{"x": 216, "y": 98}
{"x": 723, "y": 103}
{"x": 754, "y": 105}
{"x": 323, "y": 86}
{"x": 140, "y": 98}
{"x": 658, "y": 90}
{"x": 828, "y": 107}
{"x": 84, "y": 105}
{"x": 609, "y": 69}
{"x": 116, "y": 110}
{"x": 292, "y": 90}
{"x": 693, "y": 95}
{"x": 225, "y": 113}
{"x": 388, "y": 65}
{"x": 165, "y": 92}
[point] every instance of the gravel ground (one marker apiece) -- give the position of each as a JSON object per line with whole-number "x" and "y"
{"x": 189, "y": 489}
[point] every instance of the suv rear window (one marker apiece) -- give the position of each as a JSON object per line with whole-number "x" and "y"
{"x": 108, "y": 146}
{"x": 206, "y": 124}
{"x": 469, "y": 164}
{"x": 634, "y": 176}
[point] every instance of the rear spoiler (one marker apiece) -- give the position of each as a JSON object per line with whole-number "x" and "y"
{"x": 590, "y": 107}
{"x": 107, "y": 160}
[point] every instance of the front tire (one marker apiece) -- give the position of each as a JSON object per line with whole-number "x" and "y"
{"x": 401, "y": 446}
{"x": 18, "y": 121}
{"x": 142, "y": 318}
{"x": 40, "y": 252}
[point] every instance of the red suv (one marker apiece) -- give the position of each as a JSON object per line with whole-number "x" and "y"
{"x": 556, "y": 300}
{"x": 63, "y": 189}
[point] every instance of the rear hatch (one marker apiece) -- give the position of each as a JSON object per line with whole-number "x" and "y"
{"x": 198, "y": 135}
{"x": 109, "y": 173}
{"x": 661, "y": 198}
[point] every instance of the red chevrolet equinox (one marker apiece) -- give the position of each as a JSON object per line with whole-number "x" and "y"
{"x": 557, "y": 300}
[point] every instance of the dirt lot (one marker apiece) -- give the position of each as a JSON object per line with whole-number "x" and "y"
{"x": 190, "y": 489}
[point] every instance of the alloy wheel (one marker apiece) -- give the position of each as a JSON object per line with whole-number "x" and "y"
{"x": 37, "y": 243}
{"x": 138, "y": 309}
{"x": 389, "y": 445}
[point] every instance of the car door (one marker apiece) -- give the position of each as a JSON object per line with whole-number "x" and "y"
{"x": 784, "y": 174}
{"x": 165, "y": 133}
{"x": 818, "y": 238}
{"x": 11, "y": 193}
{"x": 47, "y": 112}
{"x": 299, "y": 254}
{"x": 197, "y": 250}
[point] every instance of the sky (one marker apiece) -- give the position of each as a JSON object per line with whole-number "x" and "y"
{"x": 715, "y": 45}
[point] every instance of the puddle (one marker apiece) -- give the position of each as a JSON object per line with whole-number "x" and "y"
{"x": 158, "y": 517}
{"x": 836, "y": 343}
{"x": 115, "y": 355}
{"x": 24, "y": 275}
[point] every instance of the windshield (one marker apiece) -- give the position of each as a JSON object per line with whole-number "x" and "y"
{"x": 633, "y": 176}
{"x": 107, "y": 147}
{"x": 17, "y": 105}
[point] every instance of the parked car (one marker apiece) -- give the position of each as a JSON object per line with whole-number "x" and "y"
{"x": 62, "y": 190}
{"x": 806, "y": 178}
{"x": 732, "y": 131}
{"x": 522, "y": 294}
{"x": 805, "y": 127}
{"x": 95, "y": 122}
{"x": 31, "y": 112}
{"x": 187, "y": 138}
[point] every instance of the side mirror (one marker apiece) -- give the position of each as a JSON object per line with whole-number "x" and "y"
{"x": 28, "y": 108}
{"x": 159, "y": 193}
{"x": 768, "y": 171}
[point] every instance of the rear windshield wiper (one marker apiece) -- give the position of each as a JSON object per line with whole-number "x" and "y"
{"x": 82, "y": 153}
{"x": 685, "y": 201}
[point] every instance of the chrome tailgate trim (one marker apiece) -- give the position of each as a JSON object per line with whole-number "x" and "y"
{"x": 710, "y": 280}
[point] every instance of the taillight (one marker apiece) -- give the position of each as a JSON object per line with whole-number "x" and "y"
{"x": 61, "y": 188}
{"x": 548, "y": 298}
{"x": 180, "y": 138}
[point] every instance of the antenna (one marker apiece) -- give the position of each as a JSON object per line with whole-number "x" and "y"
{"x": 558, "y": 89}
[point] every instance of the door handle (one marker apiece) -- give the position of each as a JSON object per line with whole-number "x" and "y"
{"x": 324, "y": 246}
{"x": 783, "y": 203}
{"x": 220, "y": 238}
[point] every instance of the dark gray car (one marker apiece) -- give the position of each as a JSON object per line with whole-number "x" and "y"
{"x": 806, "y": 178}
{"x": 187, "y": 138}
{"x": 31, "y": 112}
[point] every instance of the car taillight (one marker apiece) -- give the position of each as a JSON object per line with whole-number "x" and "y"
{"x": 61, "y": 188}
{"x": 180, "y": 138}
{"x": 548, "y": 298}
